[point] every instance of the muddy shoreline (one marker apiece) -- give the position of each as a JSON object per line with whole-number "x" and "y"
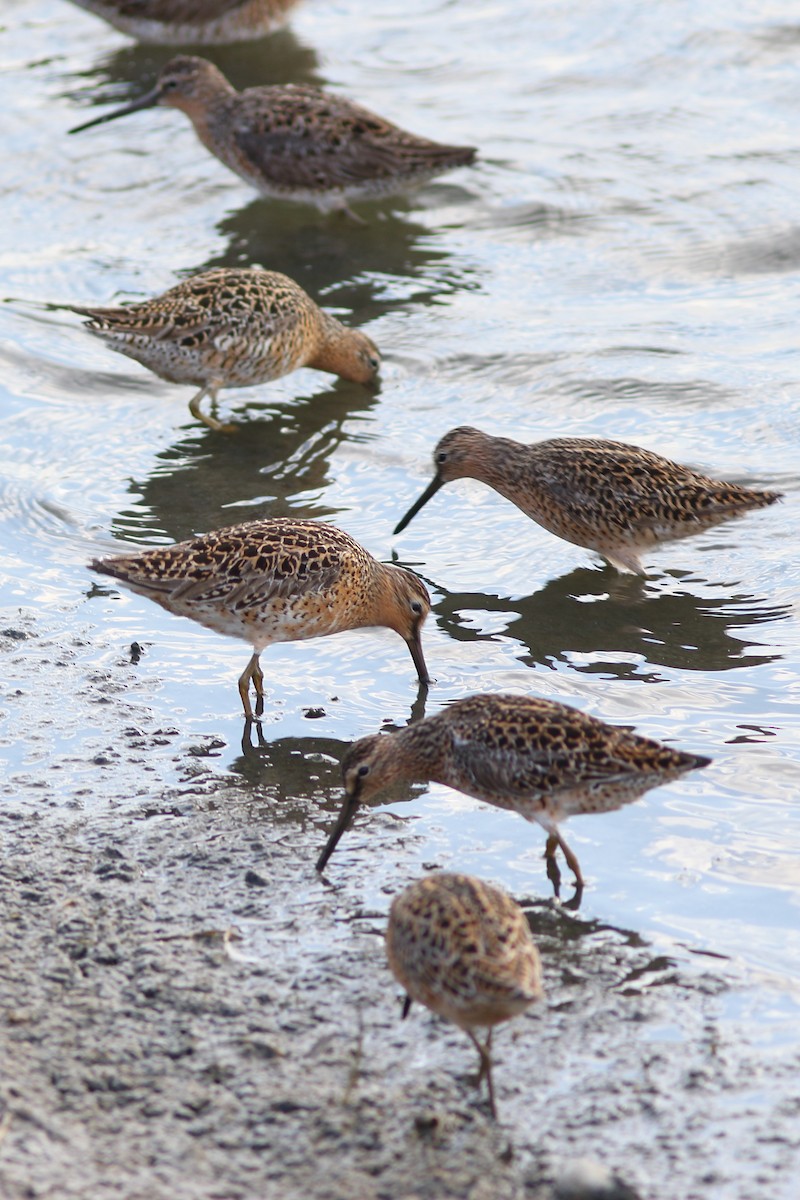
{"x": 189, "y": 1011}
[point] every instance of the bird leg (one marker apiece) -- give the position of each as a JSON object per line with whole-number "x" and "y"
{"x": 626, "y": 561}
{"x": 554, "y": 841}
{"x": 346, "y": 211}
{"x": 485, "y": 1071}
{"x": 252, "y": 671}
{"x": 258, "y": 684}
{"x": 208, "y": 389}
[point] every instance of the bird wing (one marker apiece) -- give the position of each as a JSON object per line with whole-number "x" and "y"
{"x": 212, "y": 570}
{"x": 649, "y": 492}
{"x": 541, "y": 766}
{"x": 223, "y": 327}
{"x": 311, "y": 140}
{"x": 183, "y": 11}
{"x": 580, "y": 476}
{"x": 148, "y": 320}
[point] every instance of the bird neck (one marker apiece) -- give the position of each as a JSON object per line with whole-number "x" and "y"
{"x": 386, "y": 600}
{"x": 332, "y": 352}
{"x": 418, "y": 752}
{"x": 505, "y": 466}
{"x": 206, "y": 108}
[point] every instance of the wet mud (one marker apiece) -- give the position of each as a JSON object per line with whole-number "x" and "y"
{"x": 188, "y": 1010}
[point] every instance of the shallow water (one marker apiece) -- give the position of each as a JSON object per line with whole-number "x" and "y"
{"x": 623, "y": 261}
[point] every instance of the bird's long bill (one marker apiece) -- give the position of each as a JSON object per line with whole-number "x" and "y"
{"x": 345, "y": 817}
{"x": 148, "y": 101}
{"x": 430, "y": 490}
{"x": 415, "y": 646}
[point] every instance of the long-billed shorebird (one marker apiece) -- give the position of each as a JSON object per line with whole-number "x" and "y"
{"x": 617, "y": 500}
{"x": 294, "y": 141}
{"x": 536, "y": 757}
{"x": 191, "y": 22}
{"x": 277, "y": 580}
{"x": 233, "y": 327}
{"x": 464, "y": 949}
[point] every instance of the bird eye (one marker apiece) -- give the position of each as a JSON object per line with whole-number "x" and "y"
{"x": 169, "y": 85}
{"x": 441, "y": 456}
{"x": 416, "y": 607}
{"x": 363, "y": 770}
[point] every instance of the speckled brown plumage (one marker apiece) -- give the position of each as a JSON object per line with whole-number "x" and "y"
{"x": 277, "y": 580}
{"x": 191, "y": 22}
{"x": 536, "y": 757}
{"x": 615, "y": 499}
{"x": 233, "y": 327}
{"x": 295, "y": 141}
{"x": 464, "y": 949}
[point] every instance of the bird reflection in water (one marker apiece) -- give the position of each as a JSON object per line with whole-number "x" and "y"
{"x": 596, "y": 621}
{"x": 349, "y": 272}
{"x": 283, "y": 464}
{"x": 192, "y": 22}
{"x": 303, "y": 774}
{"x": 280, "y": 58}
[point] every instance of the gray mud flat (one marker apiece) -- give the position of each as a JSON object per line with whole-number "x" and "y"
{"x": 188, "y": 1011}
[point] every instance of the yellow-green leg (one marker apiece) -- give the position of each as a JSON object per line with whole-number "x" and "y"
{"x": 258, "y": 684}
{"x": 346, "y": 211}
{"x": 485, "y": 1070}
{"x": 252, "y": 671}
{"x": 554, "y": 842}
{"x": 206, "y": 418}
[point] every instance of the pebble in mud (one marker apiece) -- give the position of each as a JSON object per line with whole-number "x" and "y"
{"x": 586, "y": 1179}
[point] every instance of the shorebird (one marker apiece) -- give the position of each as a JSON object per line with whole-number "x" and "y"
{"x": 536, "y": 757}
{"x": 191, "y": 22}
{"x": 233, "y": 327}
{"x": 464, "y": 949}
{"x": 617, "y": 500}
{"x": 277, "y": 580}
{"x": 294, "y": 141}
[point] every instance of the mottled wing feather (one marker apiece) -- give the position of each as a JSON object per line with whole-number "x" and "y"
{"x": 179, "y": 11}
{"x": 442, "y": 973}
{"x": 531, "y": 772}
{"x": 533, "y": 750}
{"x": 232, "y": 590}
{"x": 227, "y": 325}
{"x": 493, "y": 980}
{"x": 293, "y": 159}
{"x": 237, "y": 566}
{"x": 311, "y": 140}
{"x": 146, "y": 320}
{"x": 470, "y": 956}
{"x": 506, "y": 968}
{"x": 648, "y": 491}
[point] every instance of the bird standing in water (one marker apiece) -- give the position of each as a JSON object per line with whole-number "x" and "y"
{"x": 191, "y": 22}
{"x": 537, "y": 757}
{"x": 617, "y": 500}
{"x": 294, "y": 141}
{"x": 464, "y": 949}
{"x": 233, "y": 327}
{"x": 277, "y": 580}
